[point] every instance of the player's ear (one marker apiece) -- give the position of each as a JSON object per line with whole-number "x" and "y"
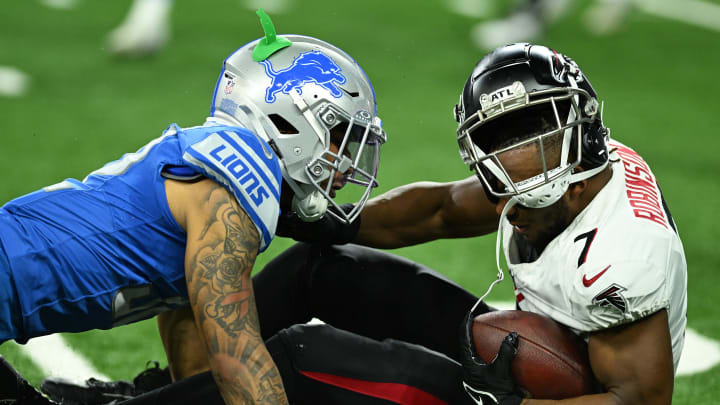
{"x": 576, "y": 189}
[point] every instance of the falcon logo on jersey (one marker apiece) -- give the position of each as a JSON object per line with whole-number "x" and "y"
{"x": 309, "y": 67}
{"x": 612, "y": 296}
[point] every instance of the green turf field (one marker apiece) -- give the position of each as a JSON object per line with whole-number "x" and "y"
{"x": 658, "y": 78}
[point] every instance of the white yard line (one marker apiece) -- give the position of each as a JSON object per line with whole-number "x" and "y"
{"x": 694, "y": 12}
{"x": 13, "y": 82}
{"x": 700, "y": 354}
{"x": 270, "y": 6}
{"x": 60, "y": 4}
{"x": 471, "y": 8}
{"x": 502, "y": 305}
{"x": 55, "y": 358}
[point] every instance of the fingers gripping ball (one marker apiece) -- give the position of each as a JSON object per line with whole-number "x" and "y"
{"x": 551, "y": 362}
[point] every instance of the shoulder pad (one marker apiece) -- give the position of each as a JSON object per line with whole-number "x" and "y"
{"x": 244, "y": 164}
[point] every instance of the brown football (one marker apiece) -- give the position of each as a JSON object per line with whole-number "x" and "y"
{"x": 551, "y": 362}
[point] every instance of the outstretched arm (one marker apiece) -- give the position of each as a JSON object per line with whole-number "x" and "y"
{"x": 425, "y": 211}
{"x": 222, "y": 243}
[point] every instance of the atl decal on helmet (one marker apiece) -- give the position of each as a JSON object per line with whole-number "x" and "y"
{"x": 309, "y": 67}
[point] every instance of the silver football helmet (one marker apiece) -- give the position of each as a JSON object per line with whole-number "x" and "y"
{"x": 315, "y": 107}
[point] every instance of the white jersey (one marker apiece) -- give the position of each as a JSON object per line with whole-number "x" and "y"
{"x": 620, "y": 259}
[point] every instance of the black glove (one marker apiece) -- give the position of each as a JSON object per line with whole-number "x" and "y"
{"x": 15, "y": 389}
{"x": 327, "y": 230}
{"x": 488, "y": 383}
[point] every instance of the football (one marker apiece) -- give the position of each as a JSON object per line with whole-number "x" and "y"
{"x": 551, "y": 362}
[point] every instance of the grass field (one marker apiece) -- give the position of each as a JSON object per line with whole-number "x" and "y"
{"x": 657, "y": 76}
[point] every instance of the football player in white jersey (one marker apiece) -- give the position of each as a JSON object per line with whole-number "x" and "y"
{"x": 586, "y": 233}
{"x": 587, "y": 236}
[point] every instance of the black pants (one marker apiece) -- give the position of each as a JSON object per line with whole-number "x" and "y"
{"x": 391, "y": 333}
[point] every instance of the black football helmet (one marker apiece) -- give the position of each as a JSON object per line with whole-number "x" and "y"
{"x": 518, "y": 82}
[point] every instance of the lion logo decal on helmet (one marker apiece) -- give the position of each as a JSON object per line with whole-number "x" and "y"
{"x": 309, "y": 67}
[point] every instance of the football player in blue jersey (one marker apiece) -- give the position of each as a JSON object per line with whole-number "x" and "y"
{"x": 174, "y": 228}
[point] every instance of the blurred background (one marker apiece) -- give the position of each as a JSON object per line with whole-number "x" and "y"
{"x": 73, "y": 96}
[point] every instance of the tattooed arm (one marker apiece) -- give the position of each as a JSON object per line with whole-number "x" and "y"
{"x": 222, "y": 243}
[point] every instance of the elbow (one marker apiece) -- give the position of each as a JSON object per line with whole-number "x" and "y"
{"x": 234, "y": 379}
{"x": 657, "y": 395}
{"x": 225, "y": 369}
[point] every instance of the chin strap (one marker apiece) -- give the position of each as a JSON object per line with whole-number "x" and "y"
{"x": 586, "y": 174}
{"x": 311, "y": 208}
{"x": 498, "y": 250}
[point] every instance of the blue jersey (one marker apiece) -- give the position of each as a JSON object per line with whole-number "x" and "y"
{"x": 107, "y": 251}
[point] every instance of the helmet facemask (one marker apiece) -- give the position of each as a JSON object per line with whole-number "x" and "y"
{"x": 352, "y": 156}
{"x": 552, "y": 119}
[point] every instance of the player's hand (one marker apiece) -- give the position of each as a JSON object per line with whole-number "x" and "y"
{"x": 327, "y": 230}
{"x": 488, "y": 383}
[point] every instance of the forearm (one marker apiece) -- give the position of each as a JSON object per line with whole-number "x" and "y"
{"x": 425, "y": 211}
{"x": 240, "y": 363}
{"x": 386, "y": 224}
{"x": 634, "y": 361}
{"x": 248, "y": 377}
{"x": 658, "y": 397}
{"x": 407, "y": 215}
{"x": 597, "y": 399}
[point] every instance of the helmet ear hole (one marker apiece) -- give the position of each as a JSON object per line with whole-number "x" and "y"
{"x": 282, "y": 125}
{"x": 594, "y": 152}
